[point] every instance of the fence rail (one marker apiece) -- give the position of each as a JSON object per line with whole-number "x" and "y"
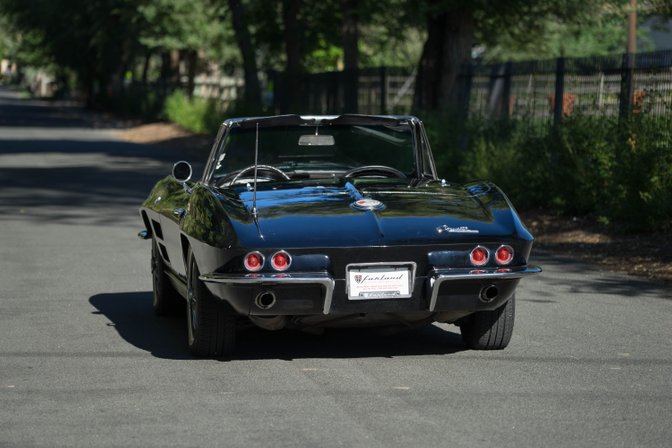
{"x": 604, "y": 86}
{"x": 597, "y": 86}
{"x": 379, "y": 91}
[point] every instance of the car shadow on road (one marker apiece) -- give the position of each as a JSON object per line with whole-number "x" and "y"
{"x": 165, "y": 337}
{"x": 130, "y": 313}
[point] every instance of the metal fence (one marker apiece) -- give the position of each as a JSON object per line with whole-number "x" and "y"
{"x": 379, "y": 90}
{"x": 597, "y": 86}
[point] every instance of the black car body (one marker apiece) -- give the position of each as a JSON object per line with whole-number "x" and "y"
{"x": 320, "y": 221}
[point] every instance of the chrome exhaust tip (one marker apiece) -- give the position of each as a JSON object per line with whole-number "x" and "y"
{"x": 488, "y": 294}
{"x": 265, "y": 300}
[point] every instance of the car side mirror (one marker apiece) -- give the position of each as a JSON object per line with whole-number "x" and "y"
{"x": 182, "y": 171}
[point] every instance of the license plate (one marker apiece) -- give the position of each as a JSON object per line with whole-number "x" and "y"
{"x": 380, "y": 282}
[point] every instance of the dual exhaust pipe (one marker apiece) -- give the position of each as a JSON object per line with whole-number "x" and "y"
{"x": 265, "y": 300}
{"x": 488, "y": 294}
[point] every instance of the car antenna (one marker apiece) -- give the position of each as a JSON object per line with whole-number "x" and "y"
{"x": 256, "y": 159}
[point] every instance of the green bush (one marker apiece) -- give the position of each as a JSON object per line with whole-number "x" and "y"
{"x": 196, "y": 114}
{"x": 618, "y": 172}
{"x": 137, "y": 101}
{"x": 201, "y": 115}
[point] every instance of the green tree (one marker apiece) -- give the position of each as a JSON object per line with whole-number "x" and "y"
{"x": 244, "y": 40}
{"x": 90, "y": 37}
{"x": 179, "y": 29}
{"x": 453, "y": 26}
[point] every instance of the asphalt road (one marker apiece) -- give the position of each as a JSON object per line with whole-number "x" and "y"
{"x": 83, "y": 362}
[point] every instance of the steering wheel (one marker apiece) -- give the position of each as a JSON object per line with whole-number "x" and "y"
{"x": 274, "y": 172}
{"x": 386, "y": 171}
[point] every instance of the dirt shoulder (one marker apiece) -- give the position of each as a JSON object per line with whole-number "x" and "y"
{"x": 648, "y": 255}
{"x": 167, "y": 135}
{"x": 643, "y": 254}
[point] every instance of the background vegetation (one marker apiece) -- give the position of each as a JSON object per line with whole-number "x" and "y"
{"x": 619, "y": 172}
{"x": 141, "y": 57}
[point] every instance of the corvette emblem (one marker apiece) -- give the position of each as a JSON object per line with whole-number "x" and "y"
{"x": 463, "y": 229}
{"x": 368, "y": 204}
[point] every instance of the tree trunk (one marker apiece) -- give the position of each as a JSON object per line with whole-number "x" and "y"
{"x": 145, "y": 66}
{"x": 252, "y": 94}
{"x": 444, "y": 55}
{"x": 166, "y": 73}
{"x": 350, "y": 31}
{"x": 175, "y": 58}
{"x": 192, "y": 65}
{"x": 294, "y": 67}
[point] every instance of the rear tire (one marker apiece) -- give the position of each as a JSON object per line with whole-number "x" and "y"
{"x": 166, "y": 301}
{"x": 211, "y": 325}
{"x": 489, "y": 330}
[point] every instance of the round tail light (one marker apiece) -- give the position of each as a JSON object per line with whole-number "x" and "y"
{"x": 253, "y": 261}
{"x": 479, "y": 256}
{"x": 281, "y": 261}
{"x": 504, "y": 255}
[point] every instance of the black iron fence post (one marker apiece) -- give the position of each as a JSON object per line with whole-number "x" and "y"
{"x": 627, "y": 75}
{"x": 558, "y": 105}
{"x": 383, "y": 90}
{"x": 506, "y": 93}
{"x": 467, "y": 78}
{"x": 350, "y": 91}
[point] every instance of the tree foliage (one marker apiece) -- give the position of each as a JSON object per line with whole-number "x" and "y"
{"x": 101, "y": 41}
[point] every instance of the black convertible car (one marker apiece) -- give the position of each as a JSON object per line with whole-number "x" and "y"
{"x": 328, "y": 221}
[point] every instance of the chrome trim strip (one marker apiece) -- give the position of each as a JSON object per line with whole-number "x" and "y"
{"x": 440, "y": 276}
{"x": 178, "y": 283}
{"x": 269, "y": 279}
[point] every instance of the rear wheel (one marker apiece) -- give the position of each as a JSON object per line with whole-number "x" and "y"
{"x": 211, "y": 325}
{"x": 165, "y": 300}
{"x": 489, "y": 330}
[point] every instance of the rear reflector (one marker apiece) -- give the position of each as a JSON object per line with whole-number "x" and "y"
{"x": 281, "y": 261}
{"x": 253, "y": 261}
{"x": 504, "y": 255}
{"x": 479, "y": 256}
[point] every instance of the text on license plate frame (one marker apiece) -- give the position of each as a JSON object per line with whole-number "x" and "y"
{"x": 363, "y": 280}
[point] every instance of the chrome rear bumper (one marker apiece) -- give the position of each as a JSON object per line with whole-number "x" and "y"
{"x": 314, "y": 278}
{"x": 436, "y": 277}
